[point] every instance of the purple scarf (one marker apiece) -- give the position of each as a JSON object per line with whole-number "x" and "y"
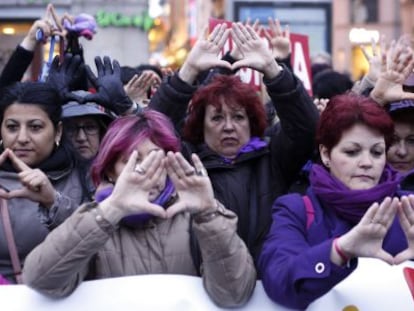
{"x": 255, "y": 143}
{"x": 351, "y": 204}
{"x": 136, "y": 220}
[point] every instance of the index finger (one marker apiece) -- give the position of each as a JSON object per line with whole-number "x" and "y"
{"x": 17, "y": 162}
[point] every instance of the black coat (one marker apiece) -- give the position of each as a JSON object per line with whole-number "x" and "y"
{"x": 250, "y": 184}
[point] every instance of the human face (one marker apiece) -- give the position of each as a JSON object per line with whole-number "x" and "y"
{"x": 143, "y": 149}
{"x": 358, "y": 159}
{"x": 401, "y": 153}
{"x": 28, "y": 131}
{"x": 84, "y": 133}
{"x": 226, "y": 130}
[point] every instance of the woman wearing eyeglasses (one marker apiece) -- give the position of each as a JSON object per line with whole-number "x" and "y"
{"x": 84, "y": 125}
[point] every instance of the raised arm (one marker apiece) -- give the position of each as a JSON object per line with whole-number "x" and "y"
{"x": 396, "y": 65}
{"x": 175, "y": 92}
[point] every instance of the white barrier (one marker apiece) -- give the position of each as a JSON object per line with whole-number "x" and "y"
{"x": 373, "y": 286}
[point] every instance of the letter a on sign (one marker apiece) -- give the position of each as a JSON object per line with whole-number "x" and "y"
{"x": 300, "y": 59}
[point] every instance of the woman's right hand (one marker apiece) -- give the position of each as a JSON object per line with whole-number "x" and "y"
{"x": 204, "y": 54}
{"x": 131, "y": 190}
{"x": 366, "y": 238}
{"x": 30, "y": 41}
{"x": 406, "y": 218}
{"x": 396, "y": 65}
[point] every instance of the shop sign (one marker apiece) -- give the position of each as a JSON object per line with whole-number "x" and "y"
{"x": 119, "y": 20}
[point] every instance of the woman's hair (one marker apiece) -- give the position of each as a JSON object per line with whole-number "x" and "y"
{"x": 37, "y": 93}
{"x": 344, "y": 111}
{"x": 126, "y": 133}
{"x": 224, "y": 89}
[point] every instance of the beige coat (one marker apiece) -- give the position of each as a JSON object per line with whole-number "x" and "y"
{"x": 85, "y": 246}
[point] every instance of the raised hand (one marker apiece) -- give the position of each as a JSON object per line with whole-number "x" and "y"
{"x": 235, "y": 52}
{"x": 320, "y": 104}
{"x": 406, "y": 217}
{"x": 132, "y": 188}
{"x": 279, "y": 40}
{"x": 396, "y": 65}
{"x": 36, "y": 185}
{"x": 137, "y": 88}
{"x": 375, "y": 59}
{"x": 192, "y": 184}
{"x": 204, "y": 54}
{"x": 255, "y": 51}
{"x": 366, "y": 238}
{"x": 108, "y": 83}
{"x": 63, "y": 76}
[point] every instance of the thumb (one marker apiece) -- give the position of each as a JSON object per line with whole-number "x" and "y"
{"x": 403, "y": 256}
{"x": 175, "y": 209}
{"x": 157, "y": 210}
{"x": 224, "y": 64}
{"x": 384, "y": 256}
{"x": 408, "y": 95}
{"x": 94, "y": 97}
{"x": 18, "y": 193}
{"x": 239, "y": 64}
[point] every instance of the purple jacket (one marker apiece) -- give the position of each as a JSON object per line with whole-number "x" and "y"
{"x": 295, "y": 261}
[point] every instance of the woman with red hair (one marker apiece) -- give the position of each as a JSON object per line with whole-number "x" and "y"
{"x": 225, "y": 125}
{"x": 354, "y": 206}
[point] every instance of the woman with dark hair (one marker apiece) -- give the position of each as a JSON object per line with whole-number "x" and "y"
{"x": 37, "y": 171}
{"x": 143, "y": 221}
{"x": 351, "y": 209}
{"x": 226, "y": 121}
{"x": 401, "y": 152}
{"x": 85, "y": 124}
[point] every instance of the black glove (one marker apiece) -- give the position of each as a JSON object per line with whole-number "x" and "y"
{"x": 63, "y": 76}
{"x": 110, "y": 90}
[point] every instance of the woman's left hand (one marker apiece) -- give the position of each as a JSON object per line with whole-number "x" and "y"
{"x": 193, "y": 186}
{"x": 255, "y": 50}
{"x": 406, "y": 217}
{"x": 366, "y": 238}
{"x": 36, "y": 185}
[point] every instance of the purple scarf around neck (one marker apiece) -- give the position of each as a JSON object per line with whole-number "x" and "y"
{"x": 255, "y": 143}
{"x": 351, "y": 204}
{"x": 136, "y": 220}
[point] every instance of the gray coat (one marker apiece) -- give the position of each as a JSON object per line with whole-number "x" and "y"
{"x": 30, "y": 222}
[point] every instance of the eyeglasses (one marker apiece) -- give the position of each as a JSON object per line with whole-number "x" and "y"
{"x": 88, "y": 129}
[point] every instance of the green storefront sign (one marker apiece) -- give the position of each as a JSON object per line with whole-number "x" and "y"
{"x": 110, "y": 19}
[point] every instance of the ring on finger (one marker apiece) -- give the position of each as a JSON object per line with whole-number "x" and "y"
{"x": 201, "y": 172}
{"x": 139, "y": 169}
{"x": 190, "y": 173}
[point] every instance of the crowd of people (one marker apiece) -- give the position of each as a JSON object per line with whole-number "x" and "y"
{"x": 136, "y": 170}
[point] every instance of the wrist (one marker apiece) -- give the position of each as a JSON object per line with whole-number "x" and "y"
{"x": 272, "y": 70}
{"x": 207, "y": 214}
{"x": 28, "y": 44}
{"x": 341, "y": 253}
{"x": 376, "y": 96}
{"x": 187, "y": 74}
{"x": 110, "y": 212}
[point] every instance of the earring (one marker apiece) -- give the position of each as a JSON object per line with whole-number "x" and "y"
{"x": 327, "y": 163}
{"x": 57, "y": 143}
